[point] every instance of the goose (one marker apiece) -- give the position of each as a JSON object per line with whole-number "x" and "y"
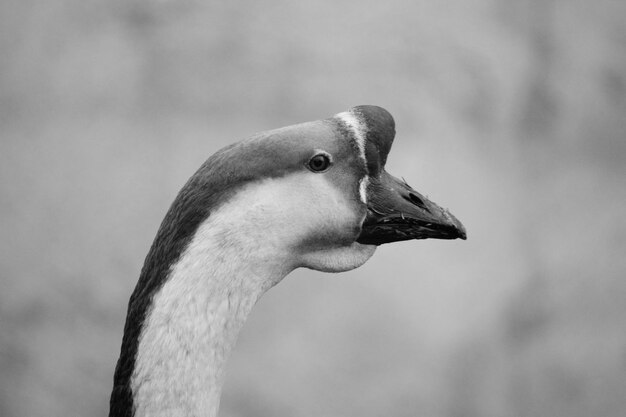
{"x": 313, "y": 195}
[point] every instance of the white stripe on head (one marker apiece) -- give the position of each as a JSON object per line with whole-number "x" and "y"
{"x": 359, "y": 131}
{"x": 363, "y": 188}
{"x": 358, "y": 128}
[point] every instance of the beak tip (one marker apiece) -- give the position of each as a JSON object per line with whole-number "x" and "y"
{"x": 456, "y": 223}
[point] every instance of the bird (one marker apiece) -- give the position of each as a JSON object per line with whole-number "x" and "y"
{"x": 312, "y": 195}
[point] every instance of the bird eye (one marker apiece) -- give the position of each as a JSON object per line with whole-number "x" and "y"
{"x": 319, "y": 162}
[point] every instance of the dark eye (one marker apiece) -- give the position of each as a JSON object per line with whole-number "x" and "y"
{"x": 319, "y": 163}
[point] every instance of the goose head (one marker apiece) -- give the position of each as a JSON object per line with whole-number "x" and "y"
{"x": 317, "y": 194}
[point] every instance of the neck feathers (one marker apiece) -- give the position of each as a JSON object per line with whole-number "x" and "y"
{"x": 192, "y": 326}
{"x": 194, "y": 294}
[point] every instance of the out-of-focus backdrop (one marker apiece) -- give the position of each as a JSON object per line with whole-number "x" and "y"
{"x": 510, "y": 112}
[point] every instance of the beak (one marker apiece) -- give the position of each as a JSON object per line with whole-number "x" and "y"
{"x": 397, "y": 212}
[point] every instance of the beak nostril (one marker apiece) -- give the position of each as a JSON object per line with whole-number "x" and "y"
{"x": 417, "y": 201}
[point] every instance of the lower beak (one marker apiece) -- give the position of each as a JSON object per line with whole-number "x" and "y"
{"x": 397, "y": 212}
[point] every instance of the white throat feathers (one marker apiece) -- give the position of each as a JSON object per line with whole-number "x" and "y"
{"x": 230, "y": 262}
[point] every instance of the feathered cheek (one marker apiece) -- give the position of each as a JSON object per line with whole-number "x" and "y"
{"x": 352, "y": 224}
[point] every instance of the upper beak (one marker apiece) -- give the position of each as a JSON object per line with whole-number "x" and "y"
{"x": 396, "y": 212}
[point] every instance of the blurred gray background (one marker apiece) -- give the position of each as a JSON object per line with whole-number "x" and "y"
{"x": 512, "y": 113}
